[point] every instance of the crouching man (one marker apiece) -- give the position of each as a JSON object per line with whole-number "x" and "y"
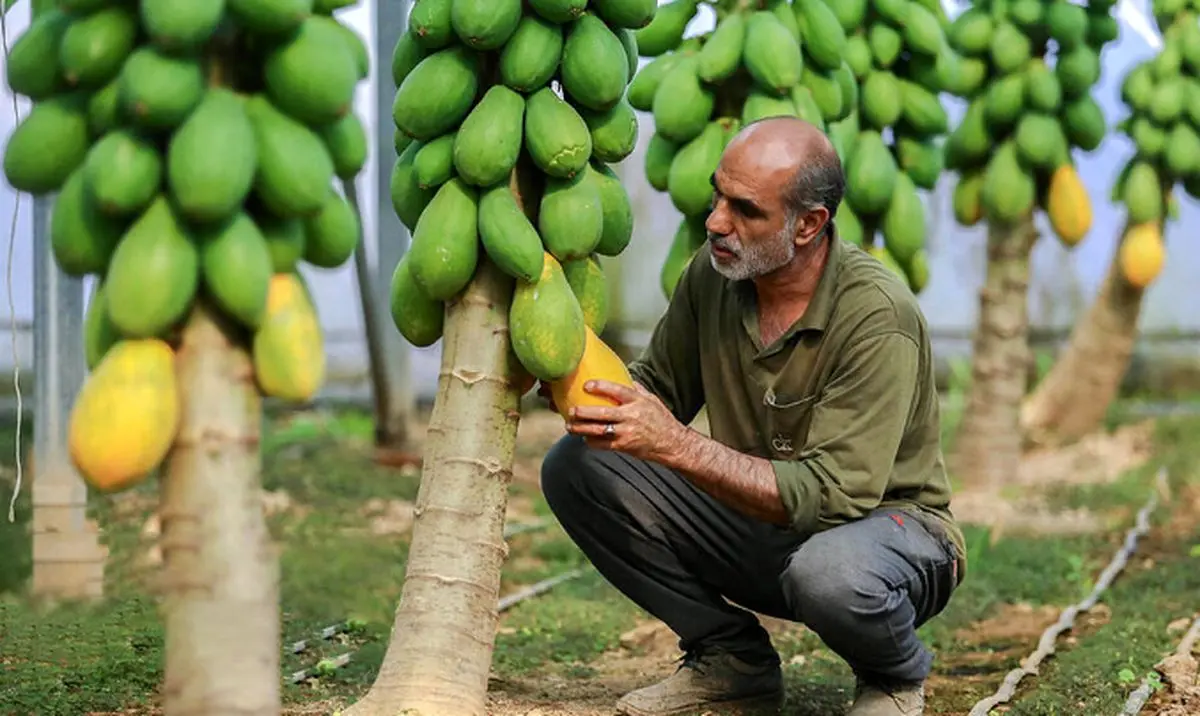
{"x": 821, "y": 496}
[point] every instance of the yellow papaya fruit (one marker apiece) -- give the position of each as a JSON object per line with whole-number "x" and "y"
{"x": 1068, "y": 206}
{"x": 599, "y": 362}
{"x": 1142, "y": 254}
{"x": 289, "y": 349}
{"x": 126, "y": 415}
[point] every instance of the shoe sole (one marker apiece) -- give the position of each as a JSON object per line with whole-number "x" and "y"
{"x": 757, "y": 705}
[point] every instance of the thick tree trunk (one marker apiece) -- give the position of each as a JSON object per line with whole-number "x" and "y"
{"x": 1073, "y": 398}
{"x": 988, "y": 444}
{"x": 440, "y": 653}
{"x": 220, "y": 575}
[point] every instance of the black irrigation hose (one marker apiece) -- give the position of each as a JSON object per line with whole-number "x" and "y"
{"x": 1066, "y": 619}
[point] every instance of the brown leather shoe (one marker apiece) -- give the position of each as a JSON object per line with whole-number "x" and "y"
{"x": 715, "y": 679}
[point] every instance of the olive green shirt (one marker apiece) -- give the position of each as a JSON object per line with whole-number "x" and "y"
{"x": 843, "y": 404}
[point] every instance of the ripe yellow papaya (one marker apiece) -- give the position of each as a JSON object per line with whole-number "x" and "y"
{"x": 1068, "y": 206}
{"x": 1142, "y": 254}
{"x": 599, "y": 362}
{"x": 126, "y": 415}
{"x": 289, "y": 349}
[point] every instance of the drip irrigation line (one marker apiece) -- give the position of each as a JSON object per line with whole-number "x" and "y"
{"x": 1066, "y": 619}
{"x": 539, "y": 588}
{"x": 323, "y": 666}
{"x": 1140, "y": 695}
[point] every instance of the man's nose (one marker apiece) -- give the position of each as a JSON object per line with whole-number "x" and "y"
{"x": 718, "y": 221}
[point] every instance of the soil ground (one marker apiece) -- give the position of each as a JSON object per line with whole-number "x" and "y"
{"x": 342, "y": 520}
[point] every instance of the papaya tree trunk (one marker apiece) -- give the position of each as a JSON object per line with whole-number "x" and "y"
{"x": 988, "y": 444}
{"x": 1073, "y": 398}
{"x": 440, "y": 653}
{"x": 220, "y": 583}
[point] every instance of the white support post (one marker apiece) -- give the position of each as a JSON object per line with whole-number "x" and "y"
{"x": 68, "y": 560}
{"x": 389, "y": 19}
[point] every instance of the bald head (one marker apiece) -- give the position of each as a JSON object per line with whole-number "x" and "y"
{"x": 797, "y": 152}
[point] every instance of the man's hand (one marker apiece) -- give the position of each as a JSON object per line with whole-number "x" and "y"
{"x": 640, "y": 425}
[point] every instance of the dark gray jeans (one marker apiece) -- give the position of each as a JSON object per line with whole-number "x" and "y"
{"x": 678, "y": 553}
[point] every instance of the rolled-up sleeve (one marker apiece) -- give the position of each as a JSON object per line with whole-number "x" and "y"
{"x": 669, "y": 367}
{"x": 856, "y": 430}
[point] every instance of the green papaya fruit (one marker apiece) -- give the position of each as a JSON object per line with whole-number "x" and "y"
{"x": 180, "y": 25}
{"x": 589, "y": 285}
{"x": 665, "y": 32}
{"x": 629, "y": 14}
{"x": 123, "y": 172}
{"x": 485, "y": 24}
{"x": 419, "y": 318}
{"x": 284, "y": 239}
{"x": 437, "y": 94}
{"x": 294, "y": 169}
{"x": 357, "y": 47}
{"x": 557, "y": 138}
{"x": 406, "y": 55}
{"x": 772, "y": 56}
{"x": 159, "y": 91}
{"x": 721, "y": 55}
{"x": 445, "y": 245}
{"x": 81, "y": 237}
{"x": 903, "y": 224}
{"x": 48, "y": 144}
{"x": 93, "y": 47}
{"x": 646, "y": 81}
{"x": 347, "y": 143}
{"x": 571, "y": 216}
{"x": 689, "y": 182}
{"x": 236, "y": 269}
{"x": 206, "y": 185}
{"x": 618, "y": 211}
{"x": 99, "y": 334}
{"x": 559, "y": 12}
{"x": 614, "y": 133}
{"x": 431, "y": 25}
{"x": 1143, "y": 194}
{"x": 271, "y": 18}
{"x": 32, "y": 68}
{"x": 154, "y": 273}
{"x": 546, "y": 325}
{"x": 595, "y": 69}
{"x": 687, "y": 240}
{"x": 313, "y": 75}
{"x": 531, "y": 56}
{"x": 433, "y": 163}
{"x": 682, "y": 105}
{"x": 104, "y": 108}
{"x": 660, "y": 153}
{"x": 331, "y": 235}
{"x": 507, "y": 235}
{"x": 489, "y": 141}
{"x": 1008, "y": 191}
{"x": 760, "y": 105}
{"x": 870, "y": 175}
{"x": 409, "y": 198}
{"x": 825, "y": 38}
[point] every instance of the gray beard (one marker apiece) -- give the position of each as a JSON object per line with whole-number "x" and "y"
{"x": 757, "y": 260}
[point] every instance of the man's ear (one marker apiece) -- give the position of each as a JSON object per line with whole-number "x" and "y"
{"x": 811, "y": 225}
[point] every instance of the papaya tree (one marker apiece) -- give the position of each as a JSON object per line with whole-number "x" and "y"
{"x": 508, "y": 117}
{"x": 194, "y": 172}
{"x": 804, "y": 59}
{"x": 1162, "y": 124}
{"x": 1027, "y": 70}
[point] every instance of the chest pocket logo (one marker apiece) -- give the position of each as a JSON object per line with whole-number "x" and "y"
{"x": 781, "y": 443}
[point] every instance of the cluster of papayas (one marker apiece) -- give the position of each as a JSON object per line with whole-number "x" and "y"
{"x": 193, "y": 149}
{"x": 1027, "y": 110}
{"x": 1162, "y": 94}
{"x": 809, "y": 59}
{"x": 508, "y": 115}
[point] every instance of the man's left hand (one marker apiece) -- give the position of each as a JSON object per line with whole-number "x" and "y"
{"x": 639, "y": 425}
